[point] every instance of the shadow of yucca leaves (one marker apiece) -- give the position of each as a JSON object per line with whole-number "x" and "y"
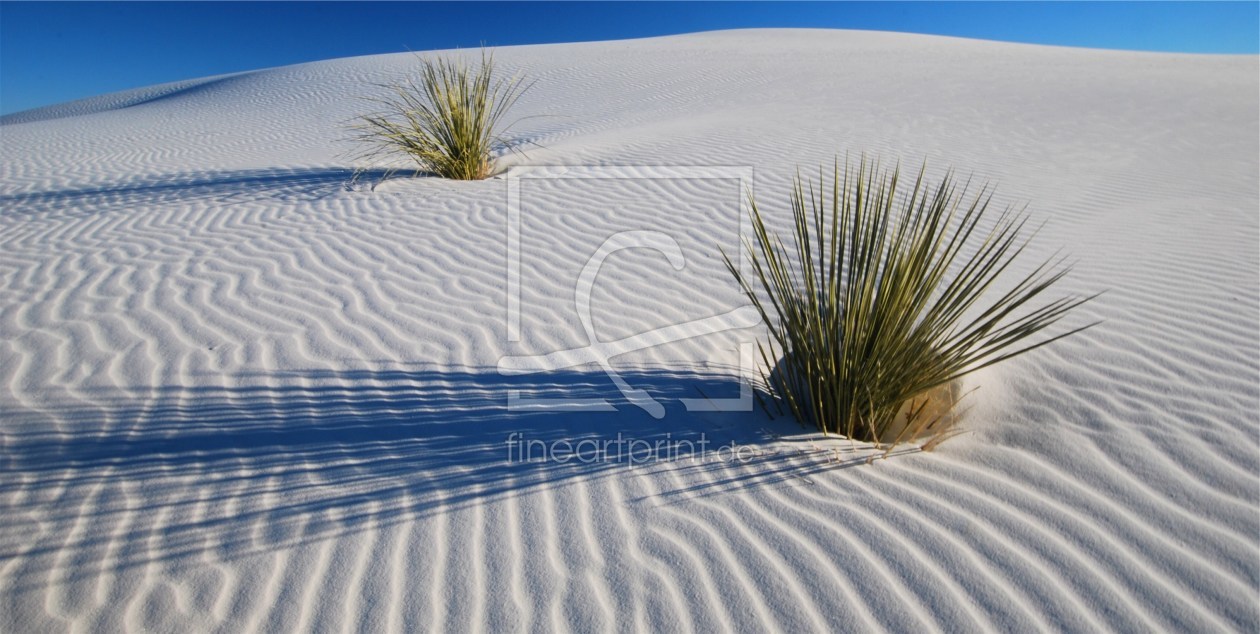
{"x": 285, "y": 459}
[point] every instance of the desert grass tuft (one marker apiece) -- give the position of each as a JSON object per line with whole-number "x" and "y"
{"x": 884, "y": 299}
{"x": 447, "y": 119}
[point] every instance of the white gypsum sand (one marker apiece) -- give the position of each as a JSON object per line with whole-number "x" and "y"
{"x": 236, "y": 395}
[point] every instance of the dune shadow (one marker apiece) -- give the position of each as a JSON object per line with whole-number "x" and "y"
{"x": 293, "y": 458}
{"x": 119, "y": 100}
{"x": 228, "y": 187}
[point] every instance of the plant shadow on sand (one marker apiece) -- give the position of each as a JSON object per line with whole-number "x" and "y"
{"x": 235, "y": 471}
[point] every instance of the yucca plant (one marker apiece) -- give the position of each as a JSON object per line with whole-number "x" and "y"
{"x": 884, "y": 301}
{"x": 447, "y": 119}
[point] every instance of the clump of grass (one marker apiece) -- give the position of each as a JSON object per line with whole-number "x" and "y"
{"x": 447, "y": 119}
{"x": 884, "y": 301}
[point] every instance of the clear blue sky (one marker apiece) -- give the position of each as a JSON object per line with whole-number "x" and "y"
{"x": 52, "y": 52}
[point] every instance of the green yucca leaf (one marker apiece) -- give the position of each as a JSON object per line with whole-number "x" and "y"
{"x": 879, "y": 307}
{"x": 448, "y": 119}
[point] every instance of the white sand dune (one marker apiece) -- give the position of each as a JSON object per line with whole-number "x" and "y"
{"x": 238, "y": 395}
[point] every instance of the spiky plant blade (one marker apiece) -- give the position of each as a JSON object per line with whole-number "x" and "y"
{"x": 447, "y": 120}
{"x": 878, "y": 303}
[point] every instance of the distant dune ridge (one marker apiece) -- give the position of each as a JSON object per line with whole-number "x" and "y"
{"x": 240, "y": 393}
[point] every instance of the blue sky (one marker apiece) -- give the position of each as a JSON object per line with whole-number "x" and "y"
{"x": 52, "y": 52}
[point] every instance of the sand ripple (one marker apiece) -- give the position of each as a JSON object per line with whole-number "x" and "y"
{"x": 240, "y": 393}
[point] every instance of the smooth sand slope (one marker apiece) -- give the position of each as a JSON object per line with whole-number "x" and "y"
{"x": 237, "y": 394}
